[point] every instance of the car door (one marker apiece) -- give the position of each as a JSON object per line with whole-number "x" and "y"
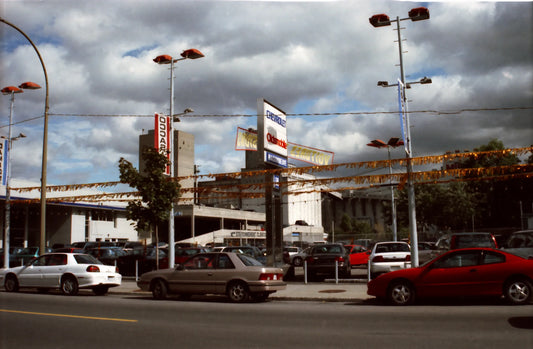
{"x": 196, "y": 275}
{"x": 455, "y": 274}
{"x": 54, "y": 269}
{"x": 32, "y": 274}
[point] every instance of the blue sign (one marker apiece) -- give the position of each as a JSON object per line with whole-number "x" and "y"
{"x": 275, "y": 159}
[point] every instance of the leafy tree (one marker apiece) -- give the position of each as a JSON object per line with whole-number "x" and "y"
{"x": 346, "y": 223}
{"x": 157, "y": 193}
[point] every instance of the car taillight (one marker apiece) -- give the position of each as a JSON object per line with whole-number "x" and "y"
{"x": 339, "y": 259}
{"x": 408, "y": 257}
{"x": 93, "y": 269}
{"x": 270, "y": 276}
{"x": 378, "y": 259}
{"x": 309, "y": 260}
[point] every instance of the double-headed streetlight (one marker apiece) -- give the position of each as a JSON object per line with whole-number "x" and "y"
{"x": 392, "y": 143}
{"x": 381, "y": 20}
{"x": 167, "y": 59}
{"x": 10, "y": 91}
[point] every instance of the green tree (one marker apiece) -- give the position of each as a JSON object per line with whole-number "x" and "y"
{"x": 346, "y": 223}
{"x": 157, "y": 193}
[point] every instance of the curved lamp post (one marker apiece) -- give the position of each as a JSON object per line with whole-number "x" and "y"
{"x": 42, "y": 239}
{"x": 381, "y": 20}
{"x": 392, "y": 143}
{"x": 11, "y": 90}
{"x": 167, "y": 59}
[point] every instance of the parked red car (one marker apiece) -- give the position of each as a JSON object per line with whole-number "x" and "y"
{"x": 358, "y": 254}
{"x": 459, "y": 273}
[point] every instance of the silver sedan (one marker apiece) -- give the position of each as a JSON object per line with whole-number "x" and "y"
{"x": 236, "y": 275}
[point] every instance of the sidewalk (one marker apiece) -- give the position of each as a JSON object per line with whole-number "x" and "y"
{"x": 345, "y": 290}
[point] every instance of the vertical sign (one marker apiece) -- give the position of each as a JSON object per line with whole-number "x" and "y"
{"x": 4, "y": 148}
{"x": 403, "y": 109}
{"x": 272, "y": 133}
{"x": 162, "y": 138}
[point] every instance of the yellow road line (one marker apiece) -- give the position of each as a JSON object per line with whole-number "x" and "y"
{"x": 68, "y": 316}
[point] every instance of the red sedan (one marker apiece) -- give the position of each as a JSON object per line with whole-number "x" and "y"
{"x": 464, "y": 272}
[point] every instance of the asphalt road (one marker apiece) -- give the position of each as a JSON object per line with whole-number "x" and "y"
{"x": 32, "y": 320}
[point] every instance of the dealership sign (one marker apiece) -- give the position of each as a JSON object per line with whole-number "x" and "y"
{"x": 272, "y": 134}
{"x": 247, "y": 140}
{"x": 162, "y": 138}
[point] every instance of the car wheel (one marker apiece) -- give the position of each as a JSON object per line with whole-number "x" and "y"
{"x": 297, "y": 261}
{"x": 518, "y": 291}
{"x": 11, "y": 284}
{"x": 69, "y": 286}
{"x": 159, "y": 290}
{"x": 100, "y": 290}
{"x": 401, "y": 293}
{"x": 238, "y": 292}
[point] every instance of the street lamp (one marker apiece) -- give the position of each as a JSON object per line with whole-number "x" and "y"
{"x": 381, "y": 20}
{"x": 11, "y": 90}
{"x": 44, "y": 161}
{"x": 167, "y": 59}
{"x": 393, "y": 142}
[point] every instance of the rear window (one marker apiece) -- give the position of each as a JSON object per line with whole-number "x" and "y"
{"x": 249, "y": 261}
{"x": 474, "y": 240}
{"x": 383, "y": 248}
{"x": 86, "y": 259}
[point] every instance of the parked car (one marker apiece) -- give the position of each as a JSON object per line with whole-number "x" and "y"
{"x": 426, "y": 252}
{"x": 22, "y": 256}
{"x": 107, "y": 255}
{"x": 67, "y": 271}
{"x": 459, "y": 273}
{"x": 358, "y": 255}
{"x": 297, "y": 259}
{"x": 249, "y": 250}
{"x": 236, "y": 275}
{"x": 388, "y": 256}
{"x": 520, "y": 243}
{"x": 87, "y": 245}
{"x": 324, "y": 258}
{"x": 181, "y": 255}
{"x": 140, "y": 261}
{"x": 465, "y": 240}
{"x": 13, "y": 250}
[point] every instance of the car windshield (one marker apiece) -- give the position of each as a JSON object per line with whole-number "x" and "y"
{"x": 520, "y": 240}
{"x": 86, "y": 259}
{"x": 248, "y": 260}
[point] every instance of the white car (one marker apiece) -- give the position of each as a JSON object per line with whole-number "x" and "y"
{"x": 388, "y": 256}
{"x": 67, "y": 271}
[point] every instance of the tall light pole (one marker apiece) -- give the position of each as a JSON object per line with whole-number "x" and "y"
{"x": 166, "y": 59}
{"x": 11, "y": 90}
{"x": 381, "y": 20}
{"x": 42, "y": 239}
{"x": 392, "y": 143}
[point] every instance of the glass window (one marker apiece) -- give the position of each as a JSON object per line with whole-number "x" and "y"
{"x": 490, "y": 257}
{"x": 248, "y": 261}
{"x": 201, "y": 261}
{"x": 58, "y": 259}
{"x": 224, "y": 262}
{"x": 86, "y": 259}
{"x": 459, "y": 259}
{"x": 41, "y": 261}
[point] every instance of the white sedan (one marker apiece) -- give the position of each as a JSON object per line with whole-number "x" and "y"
{"x": 67, "y": 271}
{"x": 388, "y": 256}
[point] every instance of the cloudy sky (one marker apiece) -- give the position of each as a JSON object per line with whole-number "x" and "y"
{"x": 309, "y": 58}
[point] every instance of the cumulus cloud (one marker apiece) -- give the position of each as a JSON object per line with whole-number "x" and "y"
{"x": 305, "y": 57}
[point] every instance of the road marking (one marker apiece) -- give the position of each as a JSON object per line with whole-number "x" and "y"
{"x": 68, "y": 316}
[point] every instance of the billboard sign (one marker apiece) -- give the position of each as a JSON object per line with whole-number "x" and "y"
{"x": 272, "y": 129}
{"x": 247, "y": 140}
{"x": 162, "y": 138}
